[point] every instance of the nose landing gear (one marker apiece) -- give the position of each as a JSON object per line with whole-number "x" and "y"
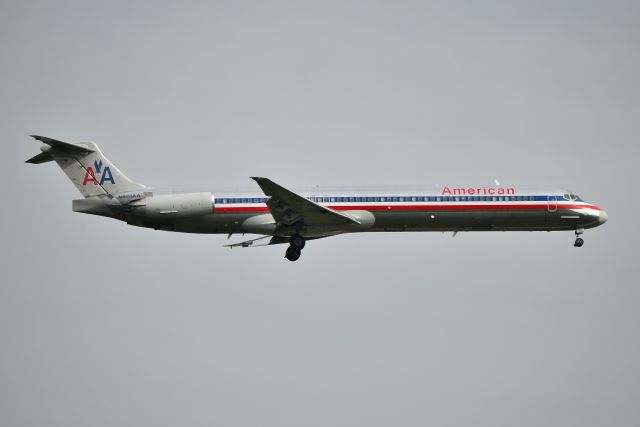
{"x": 579, "y": 241}
{"x": 296, "y": 244}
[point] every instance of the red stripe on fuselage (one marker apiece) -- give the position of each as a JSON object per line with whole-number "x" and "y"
{"x": 441, "y": 207}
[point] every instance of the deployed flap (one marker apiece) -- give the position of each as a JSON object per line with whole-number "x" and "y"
{"x": 260, "y": 241}
{"x": 289, "y": 208}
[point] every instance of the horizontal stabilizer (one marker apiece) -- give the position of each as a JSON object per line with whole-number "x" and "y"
{"x": 40, "y": 158}
{"x": 64, "y": 146}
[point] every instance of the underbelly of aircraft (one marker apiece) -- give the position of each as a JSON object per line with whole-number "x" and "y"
{"x": 517, "y": 220}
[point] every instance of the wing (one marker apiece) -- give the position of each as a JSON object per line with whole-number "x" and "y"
{"x": 289, "y": 208}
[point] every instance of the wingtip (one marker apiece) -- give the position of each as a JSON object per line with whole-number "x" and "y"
{"x": 40, "y": 138}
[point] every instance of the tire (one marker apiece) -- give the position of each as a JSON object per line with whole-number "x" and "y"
{"x": 298, "y": 242}
{"x": 579, "y": 242}
{"x": 292, "y": 253}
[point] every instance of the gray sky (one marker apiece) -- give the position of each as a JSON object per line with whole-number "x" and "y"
{"x": 103, "y": 324}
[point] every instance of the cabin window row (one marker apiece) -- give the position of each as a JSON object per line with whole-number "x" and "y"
{"x": 391, "y": 199}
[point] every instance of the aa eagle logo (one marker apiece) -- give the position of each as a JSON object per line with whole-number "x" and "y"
{"x": 104, "y": 174}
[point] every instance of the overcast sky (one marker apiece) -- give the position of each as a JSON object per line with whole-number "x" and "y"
{"x": 104, "y": 324}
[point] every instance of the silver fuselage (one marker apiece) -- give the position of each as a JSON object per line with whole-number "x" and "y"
{"x": 285, "y": 216}
{"x": 466, "y": 209}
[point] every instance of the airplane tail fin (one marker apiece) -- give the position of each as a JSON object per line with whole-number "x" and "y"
{"x": 85, "y": 165}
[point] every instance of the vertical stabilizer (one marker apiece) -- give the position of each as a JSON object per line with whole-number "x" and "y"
{"x": 85, "y": 165}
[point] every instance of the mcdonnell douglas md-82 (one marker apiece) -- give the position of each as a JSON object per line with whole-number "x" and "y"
{"x": 283, "y": 216}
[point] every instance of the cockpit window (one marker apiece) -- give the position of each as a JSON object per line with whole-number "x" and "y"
{"x": 571, "y": 196}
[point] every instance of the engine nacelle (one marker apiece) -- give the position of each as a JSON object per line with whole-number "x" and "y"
{"x": 177, "y": 206}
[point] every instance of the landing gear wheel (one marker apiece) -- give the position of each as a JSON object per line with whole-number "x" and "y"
{"x": 297, "y": 241}
{"x": 579, "y": 242}
{"x": 292, "y": 253}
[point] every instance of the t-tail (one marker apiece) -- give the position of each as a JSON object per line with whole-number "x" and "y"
{"x": 85, "y": 165}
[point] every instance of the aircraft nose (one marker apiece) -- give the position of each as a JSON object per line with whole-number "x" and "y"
{"x": 603, "y": 217}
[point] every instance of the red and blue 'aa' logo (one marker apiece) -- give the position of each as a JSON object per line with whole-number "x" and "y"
{"x": 104, "y": 174}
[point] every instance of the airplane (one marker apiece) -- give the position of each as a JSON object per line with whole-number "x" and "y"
{"x": 282, "y": 216}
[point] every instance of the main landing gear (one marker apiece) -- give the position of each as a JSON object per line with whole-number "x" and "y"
{"x": 296, "y": 244}
{"x": 579, "y": 241}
